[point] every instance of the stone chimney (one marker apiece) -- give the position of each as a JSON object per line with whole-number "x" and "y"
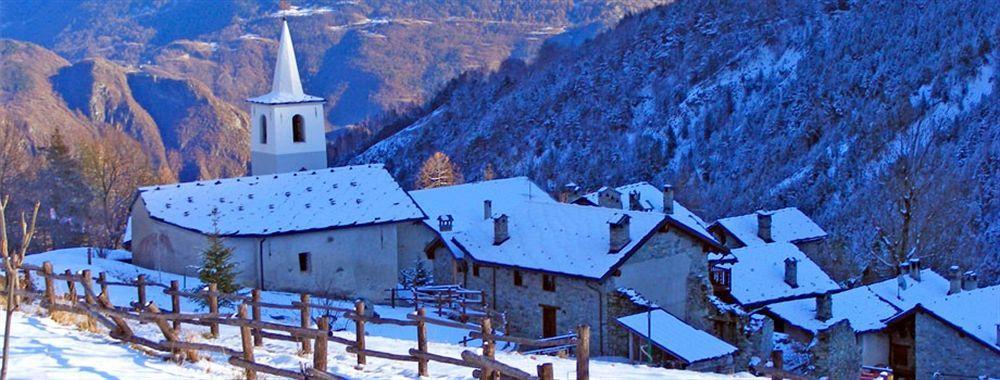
{"x": 619, "y": 229}
{"x": 668, "y": 199}
{"x": 970, "y": 281}
{"x": 633, "y": 201}
{"x": 764, "y": 226}
{"x": 915, "y": 269}
{"x": 487, "y": 209}
{"x": 445, "y": 222}
{"x": 904, "y": 270}
{"x": 792, "y": 272}
{"x": 610, "y": 198}
{"x": 500, "y": 233}
{"x": 824, "y": 307}
{"x": 954, "y": 280}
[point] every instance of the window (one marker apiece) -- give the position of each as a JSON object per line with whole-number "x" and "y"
{"x": 263, "y": 129}
{"x": 779, "y": 325}
{"x": 430, "y": 253}
{"x": 548, "y": 283}
{"x": 518, "y": 280}
{"x": 298, "y": 128}
{"x": 475, "y": 270}
{"x": 304, "y": 262}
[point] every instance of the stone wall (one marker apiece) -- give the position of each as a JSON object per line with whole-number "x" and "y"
{"x": 940, "y": 348}
{"x": 836, "y": 353}
{"x": 722, "y": 364}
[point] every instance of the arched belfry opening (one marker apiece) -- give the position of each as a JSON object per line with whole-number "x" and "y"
{"x": 298, "y": 128}
{"x": 263, "y": 129}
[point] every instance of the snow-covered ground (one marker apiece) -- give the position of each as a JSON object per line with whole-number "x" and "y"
{"x": 42, "y": 346}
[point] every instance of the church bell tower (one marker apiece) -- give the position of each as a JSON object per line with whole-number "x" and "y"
{"x": 287, "y": 132}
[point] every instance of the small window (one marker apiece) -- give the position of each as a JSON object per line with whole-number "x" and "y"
{"x": 779, "y": 325}
{"x": 298, "y": 128}
{"x": 459, "y": 267}
{"x": 475, "y": 270}
{"x": 304, "y": 262}
{"x": 263, "y": 129}
{"x": 548, "y": 283}
{"x": 430, "y": 253}
{"x": 518, "y": 280}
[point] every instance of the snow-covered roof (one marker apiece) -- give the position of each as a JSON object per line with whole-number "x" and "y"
{"x": 787, "y": 225}
{"x": 283, "y": 203}
{"x": 651, "y": 199}
{"x": 286, "y": 86}
{"x": 859, "y": 306}
{"x": 676, "y": 337}
{"x": 931, "y": 286}
{"x": 976, "y": 312}
{"x": 758, "y": 275}
{"x": 545, "y": 235}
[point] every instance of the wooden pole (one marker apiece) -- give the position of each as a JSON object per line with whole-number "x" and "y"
{"x": 319, "y": 354}
{"x": 175, "y": 301}
{"x": 140, "y": 283}
{"x": 87, "y": 285}
{"x": 247, "y": 344}
{"x": 213, "y": 307}
{"x": 304, "y": 317}
{"x": 422, "y": 341}
{"x": 583, "y": 352}
{"x": 486, "y": 329}
{"x": 545, "y": 371}
{"x": 50, "y": 290}
{"x": 102, "y": 279}
{"x": 170, "y": 334}
{"x": 359, "y": 330}
{"x": 71, "y": 288}
{"x": 258, "y": 338}
{"x": 392, "y": 297}
{"x": 777, "y": 360}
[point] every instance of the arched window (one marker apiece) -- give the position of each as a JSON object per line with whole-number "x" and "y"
{"x": 298, "y": 128}
{"x": 263, "y": 129}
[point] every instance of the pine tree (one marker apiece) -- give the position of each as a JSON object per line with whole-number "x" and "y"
{"x": 218, "y": 267}
{"x": 65, "y": 195}
{"x": 438, "y": 171}
{"x": 416, "y": 276}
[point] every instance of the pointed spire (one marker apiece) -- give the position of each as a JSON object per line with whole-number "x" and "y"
{"x": 286, "y": 86}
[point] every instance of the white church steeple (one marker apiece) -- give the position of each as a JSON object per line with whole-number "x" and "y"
{"x": 287, "y": 131}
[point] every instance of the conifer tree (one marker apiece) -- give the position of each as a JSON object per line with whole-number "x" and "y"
{"x": 416, "y": 276}
{"x": 218, "y": 267}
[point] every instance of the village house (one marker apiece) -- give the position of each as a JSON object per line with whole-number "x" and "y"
{"x": 759, "y": 275}
{"x": 552, "y": 266}
{"x": 787, "y": 225}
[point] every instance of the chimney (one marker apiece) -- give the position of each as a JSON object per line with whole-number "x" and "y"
{"x": 792, "y": 272}
{"x": 904, "y": 270}
{"x": 824, "y": 307}
{"x": 487, "y": 209}
{"x": 955, "y": 280}
{"x": 970, "y": 281}
{"x": 608, "y": 197}
{"x": 633, "y": 201}
{"x": 444, "y": 222}
{"x": 764, "y": 226}
{"x": 668, "y": 199}
{"x": 998, "y": 334}
{"x": 500, "y": 233}
{"x": 915, "y": 269}
{"x": 619, "y": 229}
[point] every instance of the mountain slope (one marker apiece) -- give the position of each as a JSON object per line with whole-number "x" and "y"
{"x": 818, "y": 105}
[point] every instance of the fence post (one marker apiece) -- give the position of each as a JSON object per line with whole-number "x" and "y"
{"x": 422, "y": 341}
{"x": 140, "y": 283}
{"x": 71, "y": 287}
{"x": 777, "y": 360}
{"x": 247, "y": 346}
{"x": 258, "y": 339}
{"x": 359, "y": 330}
{"x": 50, "y": 292}
{"x": 102, "y": 279}
{"x": 304, "y": 303}
{"x": 486, "y": 328}
{"x": 175, "y": 301}
{"x": 583, "y": 352}
{"x": 392, "y": 297}
{"x": 213, "y": 307}
{"x": 88, "y": 288}
{"x": 545, "y": 371}
{"x": 319, "y": 354}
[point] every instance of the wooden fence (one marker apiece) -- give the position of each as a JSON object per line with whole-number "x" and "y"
{"x": 253, "y": 330}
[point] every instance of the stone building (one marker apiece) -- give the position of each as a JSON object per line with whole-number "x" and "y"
{"x": 552, "y": 266}
{"x": 787, "y": 225}
{"x": 337, "y": 231}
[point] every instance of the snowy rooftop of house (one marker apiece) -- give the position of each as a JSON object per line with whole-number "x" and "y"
{"x": 283, "y": 203}
{"x": 286, "y": 86}
{"x": 676, "y": 337}
{"x": 651, "y": 199}
{"x": 787, "y": 225}
{"x": 545, "y": 235}
{"x": 976, "y": 312}
{"x": 931, "y": 286}
{"x": 758, "y": 276}
{"x": 859, "y": 306}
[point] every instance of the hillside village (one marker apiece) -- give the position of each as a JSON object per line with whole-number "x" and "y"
{"x": 655, "y": 282}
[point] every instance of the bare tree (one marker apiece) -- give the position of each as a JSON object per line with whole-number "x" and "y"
{"x": 13, "y": 257}
{"x": 14, "y": 158}
{"x": 438, "y": 171}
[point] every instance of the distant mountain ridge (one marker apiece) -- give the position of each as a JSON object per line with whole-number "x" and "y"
{"x": 809, "y": 104}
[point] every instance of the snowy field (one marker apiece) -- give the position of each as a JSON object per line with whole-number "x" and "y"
{"x": 44, "y": 349}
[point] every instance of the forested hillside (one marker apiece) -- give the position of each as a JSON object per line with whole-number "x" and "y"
{"x": 877, "y": 118}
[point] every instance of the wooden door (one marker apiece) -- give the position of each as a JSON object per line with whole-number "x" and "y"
{"x": 548, "y": 321}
